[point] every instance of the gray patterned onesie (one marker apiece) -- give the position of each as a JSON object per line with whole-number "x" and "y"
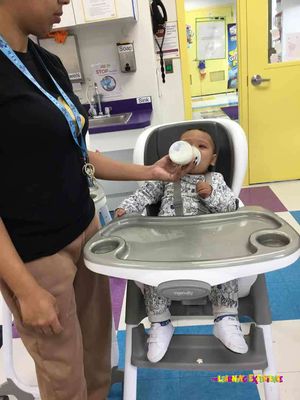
{"x": 224, "y": 297}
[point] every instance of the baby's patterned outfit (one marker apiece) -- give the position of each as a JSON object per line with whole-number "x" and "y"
{"x": 224, "y": 297}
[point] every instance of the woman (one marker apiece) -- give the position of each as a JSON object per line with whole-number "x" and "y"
{"x": 61, "y": 309}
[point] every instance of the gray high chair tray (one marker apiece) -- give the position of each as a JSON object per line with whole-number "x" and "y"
{"x": 213, "y": 247}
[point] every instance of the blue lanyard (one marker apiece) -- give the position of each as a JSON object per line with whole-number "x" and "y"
{"x": 75, "y": 126}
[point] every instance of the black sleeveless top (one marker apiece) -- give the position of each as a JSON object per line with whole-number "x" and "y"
{"x": 44, "y": 196}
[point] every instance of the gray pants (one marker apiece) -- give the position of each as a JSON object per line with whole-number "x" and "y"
{"x": 224, "y": 299}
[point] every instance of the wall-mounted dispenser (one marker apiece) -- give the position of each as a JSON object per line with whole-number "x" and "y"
{"x": 127, "y": 57}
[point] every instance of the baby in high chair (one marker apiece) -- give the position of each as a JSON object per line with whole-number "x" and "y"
{"x": 198, "y": 197}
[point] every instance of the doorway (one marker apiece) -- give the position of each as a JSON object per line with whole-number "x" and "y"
{"x": 268, "y": 87}
{"x": 212, "y": 58}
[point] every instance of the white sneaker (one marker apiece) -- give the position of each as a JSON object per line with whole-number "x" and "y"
{"x": 159, "y": 340}
{"x": 228, "y": 331}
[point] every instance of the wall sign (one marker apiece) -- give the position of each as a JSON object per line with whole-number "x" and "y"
{"x": 99, "y": 9}
{"x": 210, "y": 39}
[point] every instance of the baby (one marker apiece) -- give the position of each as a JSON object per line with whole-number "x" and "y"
{"x": 198, "y": 197}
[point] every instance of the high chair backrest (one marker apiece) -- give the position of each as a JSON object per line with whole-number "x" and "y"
{"x": 228, "y": 136}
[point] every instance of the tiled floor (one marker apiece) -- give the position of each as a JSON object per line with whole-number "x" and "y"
{"x": 212, "y": 106}
{"x": 284, "y": 295}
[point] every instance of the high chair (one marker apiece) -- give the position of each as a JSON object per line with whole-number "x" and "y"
{"x": 140, "y": 248}
{"x": 18, "y": 366}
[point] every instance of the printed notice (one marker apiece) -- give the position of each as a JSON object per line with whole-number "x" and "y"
{"x": 170, "y": 46}
{"x": 292, "y": 47}
{"x": 107, "y": 77}
{"x": 99, "y": 9}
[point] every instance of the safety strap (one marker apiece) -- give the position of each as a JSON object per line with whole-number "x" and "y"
{"x": 178, "y": 204}
{"x": 208, "y": 178}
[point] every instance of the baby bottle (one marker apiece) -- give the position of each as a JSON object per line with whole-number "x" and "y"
{"x": 182, "y": 153}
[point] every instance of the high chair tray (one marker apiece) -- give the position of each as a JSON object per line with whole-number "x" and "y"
{"x": 213, "y": 248}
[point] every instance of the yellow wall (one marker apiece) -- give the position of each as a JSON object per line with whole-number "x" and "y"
{"x": 205, "y": 86}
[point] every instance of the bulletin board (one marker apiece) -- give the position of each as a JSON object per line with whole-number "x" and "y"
{"x": 211, "y": 39}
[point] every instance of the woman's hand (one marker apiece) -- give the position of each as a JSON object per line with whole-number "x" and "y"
{"x": 119, "y": 212}
{"x": 39, "y": 310}
{"x": 203, "y": 189}
{"x": 165, "y": 170}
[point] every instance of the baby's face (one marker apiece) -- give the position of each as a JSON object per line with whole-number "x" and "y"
{"x": 205, "y": 144}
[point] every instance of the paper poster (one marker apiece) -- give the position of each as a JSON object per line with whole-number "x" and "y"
{"x": 99, "y": 9}
{"x": 292, "y": 41}
{"x": 211, "y": 40}
{"x": 170, "y": 46}
{"x": 107, "y": 77}
{"x": 232, "y": 57}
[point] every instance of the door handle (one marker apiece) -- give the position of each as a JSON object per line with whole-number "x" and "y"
{"x": 257, "y": 80}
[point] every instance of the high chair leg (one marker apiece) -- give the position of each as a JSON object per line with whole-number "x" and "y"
{"x": 271, "y": 389}
{"x": 130, "y": 374}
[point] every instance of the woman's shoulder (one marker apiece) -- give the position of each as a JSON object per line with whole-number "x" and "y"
{"x": 45, "y": 54}
{"x": 53, "y": 62}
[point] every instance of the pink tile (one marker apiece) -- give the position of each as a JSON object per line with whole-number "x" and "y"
{"x": 117, "y": 288}
{"x": 261, "y": 196}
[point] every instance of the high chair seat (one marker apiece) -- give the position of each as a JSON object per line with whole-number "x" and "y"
{"x": 185, "y": 256}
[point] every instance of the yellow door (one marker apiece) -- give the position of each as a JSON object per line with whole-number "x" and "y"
{"x": 273, "y": 30}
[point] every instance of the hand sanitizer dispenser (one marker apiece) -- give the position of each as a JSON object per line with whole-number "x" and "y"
{"x": 127, "y": 57}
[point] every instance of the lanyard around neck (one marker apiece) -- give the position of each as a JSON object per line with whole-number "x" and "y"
{"x": 75, "y": 126}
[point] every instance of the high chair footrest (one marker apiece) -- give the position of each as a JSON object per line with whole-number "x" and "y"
{"x": 201, "y": 352}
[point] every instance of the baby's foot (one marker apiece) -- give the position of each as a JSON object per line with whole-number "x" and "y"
{"x": 159, "y": 340}
{"x": 228, "y": 330}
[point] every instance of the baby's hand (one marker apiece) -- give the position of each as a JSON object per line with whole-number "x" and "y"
{"x": 203, "y": 189}
{"x": 119, "y": 212}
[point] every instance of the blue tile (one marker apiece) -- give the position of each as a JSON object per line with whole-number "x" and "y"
{"x": 284, "y": 292}
{"x": 296, "y": 215}
{"x": 205, "y": 389}
{"x": 178, "y": 385}
{"x": 115, "y": 392}
{"x": 158, "y": 389}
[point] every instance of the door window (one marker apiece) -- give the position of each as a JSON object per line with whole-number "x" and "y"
{"x": 284, "y": 31}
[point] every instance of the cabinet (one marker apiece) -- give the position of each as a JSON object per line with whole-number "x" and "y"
{"x": 76, "y": 12}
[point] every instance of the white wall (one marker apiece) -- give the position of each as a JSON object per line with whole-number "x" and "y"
{"x": 171, "y": 93}
{"x": 97, "y": 43}
{"x": 190, "y": 5}
{"x": 291, "y": 18}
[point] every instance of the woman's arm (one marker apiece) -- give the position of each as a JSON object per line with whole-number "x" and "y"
{"x": 37, "y": 306}
{"x": 163, "y": 169}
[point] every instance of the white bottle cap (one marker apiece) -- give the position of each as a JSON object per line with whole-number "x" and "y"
{"x": 182, "y": 153}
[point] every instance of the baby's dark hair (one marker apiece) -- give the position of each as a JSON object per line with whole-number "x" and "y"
{"x": 205, "y": 131}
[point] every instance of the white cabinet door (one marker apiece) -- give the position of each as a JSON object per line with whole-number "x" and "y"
{"x": 84, "y": 9}
{"x": 126, "y": 8}
{"x": 68, "y": 17}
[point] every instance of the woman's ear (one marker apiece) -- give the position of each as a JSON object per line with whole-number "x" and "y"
{"x": 213, "y": 160}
